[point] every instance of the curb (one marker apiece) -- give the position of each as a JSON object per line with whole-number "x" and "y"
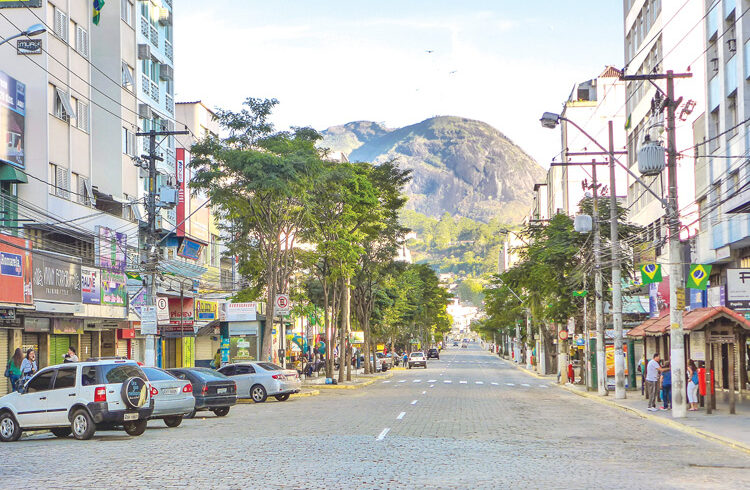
{"x": 710, "y": 436}
{"x": 249, "y": 401}
{"x": 354, "y": 386}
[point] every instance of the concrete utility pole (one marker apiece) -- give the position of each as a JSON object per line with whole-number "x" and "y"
{"x": 616, "y": 274}
{"x": 151, "y": 238}
{"x": 601, "y": 367}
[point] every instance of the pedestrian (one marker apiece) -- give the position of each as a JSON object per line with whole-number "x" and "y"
{"x": 571, "y": 374}
{"x": 216, "y": 362}
{"x": 692, "y": 389}
{"x": 666, "y": 387}
{"x": 652, "y": 380}
{"x": 642, "y": 370}
{"x": 28, "y": 367}
{"x": 13, "y": 369}
{"x": 70, "y": 356}
{"x": 406, "y": 359}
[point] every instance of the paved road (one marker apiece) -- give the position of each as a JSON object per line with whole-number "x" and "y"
{"x": 468, "y": 420}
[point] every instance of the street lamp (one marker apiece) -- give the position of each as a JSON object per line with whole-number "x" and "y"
{"x": 32, "y": 31}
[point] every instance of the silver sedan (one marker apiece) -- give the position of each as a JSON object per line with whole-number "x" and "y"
{"x": 173, "y": 397}
{"x": 259, "y": 380}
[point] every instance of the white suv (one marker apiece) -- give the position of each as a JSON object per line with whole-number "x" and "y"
{"x": 79, "y": 398}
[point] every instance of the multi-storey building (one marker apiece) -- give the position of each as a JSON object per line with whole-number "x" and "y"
{"x": 662, "y": 35}
{"x": 722, "y": 169}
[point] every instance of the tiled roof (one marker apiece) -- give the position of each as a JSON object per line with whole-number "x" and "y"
{"x": 691, "y": 320}
{"x": 611, "y": 72}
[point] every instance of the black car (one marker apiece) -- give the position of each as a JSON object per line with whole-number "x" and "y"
{"x": 212, "y": 390}
{"x": 433, "y": 354}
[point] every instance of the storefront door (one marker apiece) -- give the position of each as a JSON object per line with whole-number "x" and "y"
{"x": 58, "y": 347}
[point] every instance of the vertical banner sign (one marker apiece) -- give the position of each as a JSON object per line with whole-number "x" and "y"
{"x": 91, "y": 292}
{"x": 12, "y": 117}
{"x": 180, "y": 208}
{"x": 15, "y": 270}
{"x": 111, "y": 249}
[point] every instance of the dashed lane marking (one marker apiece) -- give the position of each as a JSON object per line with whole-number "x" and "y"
{"x": 432, "y": 386}
{"x": 388, "y": 381}
{"x": 402, "y": 381}
{"x": 381, "y": 436}
{"x": 510, "y": 384}
{"x": 414, "y": 402}
{"x": 447, "y": 381}
{"x": 479, "y": 382}
{"x": 494, "y": 384}
{"x": 401, "y": 415}
{"x": 542, "y": 386}
{"x": 462, "y": 382}
{"x": 431, "y": 380}
{"x": 525, "y": 384}
{"x": 417, "y": 381}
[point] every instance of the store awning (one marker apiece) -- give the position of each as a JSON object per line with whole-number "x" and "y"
{"x": 9, "y": 173}
{"x": 691, "y": 320}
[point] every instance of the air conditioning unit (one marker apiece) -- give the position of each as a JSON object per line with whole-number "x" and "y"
{"x": 144, "y": 51}
{"x": 166, "y": 72}
{"x": 144, "y": 111}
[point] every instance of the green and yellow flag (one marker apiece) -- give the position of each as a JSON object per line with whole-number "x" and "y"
{"x": 698, "y": 277}
{"x": 98, "y": 5}
{"x": 580, "y": 294}
{"x": 650, "y": 273}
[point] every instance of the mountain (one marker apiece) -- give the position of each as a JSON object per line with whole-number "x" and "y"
{"x": 460, "y": 166}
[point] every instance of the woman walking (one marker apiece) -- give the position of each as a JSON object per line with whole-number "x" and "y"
{"x": 692, "y": 389}
{"x": 13, "y": 370}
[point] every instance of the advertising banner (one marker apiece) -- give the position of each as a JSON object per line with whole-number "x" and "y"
{"x": 56, "y": 277}
{"x": 238, "y": 312}
{"x": 206, "y": 311}
{"x": 15, "y": 270}
{"x": 111, "y": 249}
{"x": 181, "y": 312}
{"x": 91, "y": 291}
{"x": 180, "y": 175}
{"x": 12, "y": 118}
{"x": 114, "y": 288}
{"x": 738, "y": 288}
{"x": 190, "y": 249}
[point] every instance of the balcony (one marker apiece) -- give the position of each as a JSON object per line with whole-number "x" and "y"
{"x": 155, "y": 91}
{"x": 145, "y": 26}
{"x": 169, "y": 102}
{"x": 168, "y": 50}
{"x": 154, "y": 36}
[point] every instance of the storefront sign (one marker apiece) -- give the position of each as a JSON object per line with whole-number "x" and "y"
{"x": 716, "y": 296}
{"x": 12, "y": 118}
{"x": 67, "y": 326}
{"x": 29, "y": 46}
{"x": 238, "y": 312}
{"x": 181, "y": 312}
{"x": 190, "y": 249}
{"x": 91, "y": 292}
{"x": 114, "y": 288}
{"x": 738, "y": 288}
{"x": 126, "y": 333}
{"x": 19, "y": 3}
{"x": 7, "y": 313}
{"x": 148, "y": 320}
{"x": 206, "y": 311}
{"x": 111, "y": 249}
{"x": 33, "y": 324}
{"x": 15, "y": 270}
{"x": 56, "y": 277}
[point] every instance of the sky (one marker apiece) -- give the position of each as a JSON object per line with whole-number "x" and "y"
{"x": 397, "y": 62}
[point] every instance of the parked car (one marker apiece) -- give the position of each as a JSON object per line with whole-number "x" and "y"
{"x": 417, "y": 359}
{"x": 212, "y": 390}
{"x": 433, "y": 354}
{"x": 173, "y": 397}
{"x": 259, "y": 380}
{"x": 79, "y": 398}
{"x": 385, "y": 361}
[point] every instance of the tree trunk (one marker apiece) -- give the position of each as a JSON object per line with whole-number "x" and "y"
{"x": 366, "y": 346}
{"x": 346, "y": 317}
{"x": 329, "y": 334}
{"x": 267, "y": 349}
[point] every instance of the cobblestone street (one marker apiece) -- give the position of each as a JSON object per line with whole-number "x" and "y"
{"x": 468, "y": 420}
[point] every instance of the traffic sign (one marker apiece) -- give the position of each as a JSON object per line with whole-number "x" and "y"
{"x": 563, "y": 334}
{"x": 283, "y": 305}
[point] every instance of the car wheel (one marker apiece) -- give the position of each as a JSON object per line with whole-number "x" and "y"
{"x": 221, "y": 412}
{"x": 191, "y": 414}
{"x": 135, "y": 427}
{"x": 173, "y": 421}
{"x": 258, "y": 393}
{"x": 61, "y": 432}
{"x": 9, "y": 429}
{"x": 282, "y": 398}
{"x": 81, "y": 425}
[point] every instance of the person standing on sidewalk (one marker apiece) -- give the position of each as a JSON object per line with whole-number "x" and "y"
{"x": 666, "y": 387}
{"x": 692, "y": 389}
{"x": 652, "y": 381}
{"x": 642, "y": 370}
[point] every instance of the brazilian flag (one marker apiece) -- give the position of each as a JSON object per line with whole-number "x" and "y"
{"x": 650, "y": 273}
{"x": 698, "y": 277}
{"x": 133, "y": 275}
{"x": 580, "y": 294}
{"x": 98, "y": 5}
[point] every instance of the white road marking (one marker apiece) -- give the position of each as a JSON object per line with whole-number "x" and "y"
{"x": 462, "y": 382}
{"x": 402, "y": 381}
{"x": 384, "y": 382}
{"x": 441, "y": 374}
{"x": 525, "y": 384}
{"x": 417, "y": 381}
{"x": 479, "y": 382}
{"x": 510, "y": 384}
{"x": 494, "y": 384}
{"x": 431, "y": 380}
{"x": 542, "y": 386}
{"x": 382, "y": 434}
{"x": 432, "y": 386}
{"x": 401, "y": 415}
{"x": 447, "y": 381}
{"x": 424, "y": 392}
{"x": 414, "y": 402}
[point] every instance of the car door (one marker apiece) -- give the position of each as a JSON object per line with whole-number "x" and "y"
{"x": 32, "y": 403}
{"x": 62, "y": 395}
{"x": 245, "y": 378}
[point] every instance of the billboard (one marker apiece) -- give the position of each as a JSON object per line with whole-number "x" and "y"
{"x": 4, "y": 4}
{"x": 738, "y": 289}
{"x": 111, "y": 249}
{"x": 91, "y": 292}
{"x": 206, "y": 311}
{"x": 12, "y": 119}
{"x": 56, "y": 277}
{"x": 15, "y": 270}
{"x": 114, "y": 288}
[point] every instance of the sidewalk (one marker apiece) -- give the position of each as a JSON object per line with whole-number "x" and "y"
{"x": 720, "y": 426}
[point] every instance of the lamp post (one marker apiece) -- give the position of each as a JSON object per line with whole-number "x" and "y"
{"x": 32, "y": 31}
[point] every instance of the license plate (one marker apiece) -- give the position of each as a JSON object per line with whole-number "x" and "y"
{"x": 171, "y": 391}
{"x": 130, "y": 416}
{"x": 219, "y": 391}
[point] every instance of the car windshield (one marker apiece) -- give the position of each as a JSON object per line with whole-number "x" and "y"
{"x": 118, "y": 373}
{"x": 269, "y": 366}
{"x": 155, "y": 374}
{"x": 417, "y": 354}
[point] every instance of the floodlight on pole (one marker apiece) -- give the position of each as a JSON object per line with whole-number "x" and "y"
{"x": 32, "y": 31}
{"x": 550, "y": 120}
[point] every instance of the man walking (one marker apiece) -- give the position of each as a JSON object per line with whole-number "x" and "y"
{"x": 652, "y": 382}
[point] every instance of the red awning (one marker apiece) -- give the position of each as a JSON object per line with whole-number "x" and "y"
{"x": 691, "y": 320}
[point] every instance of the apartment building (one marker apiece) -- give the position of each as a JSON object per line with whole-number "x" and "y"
{"x": 591, "y": 105}
{"x": 663, "y": 35}
{"x": 722, "y": 169}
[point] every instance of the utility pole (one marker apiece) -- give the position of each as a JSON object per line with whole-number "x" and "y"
{"x": 152, "y": 261}
{"x": 601, "y": 368}
{"x": 616, "y": 274}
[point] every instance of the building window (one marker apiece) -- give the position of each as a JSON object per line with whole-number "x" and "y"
{"x": 82, "y": 41}
{"x": 59, "y": 181}
{"x": 82, "y": 110}
{"x": 126, "y": 11}
{"x": 214, "y": 251}
{"x": 63, "y": 106}
{"x": 128, "y": 142}
{"x": 82, "y": 189}
{"x": 127, "y": 77}
{"x": 61, "y": 24}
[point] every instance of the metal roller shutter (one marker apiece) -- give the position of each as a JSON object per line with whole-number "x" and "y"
{"x": 122, "y": 348}
{"x": 30, "y": 340}
{"x": 204, "y": 348}
{"x": 86, "y": 340}
{"x": 4, "y": 384}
